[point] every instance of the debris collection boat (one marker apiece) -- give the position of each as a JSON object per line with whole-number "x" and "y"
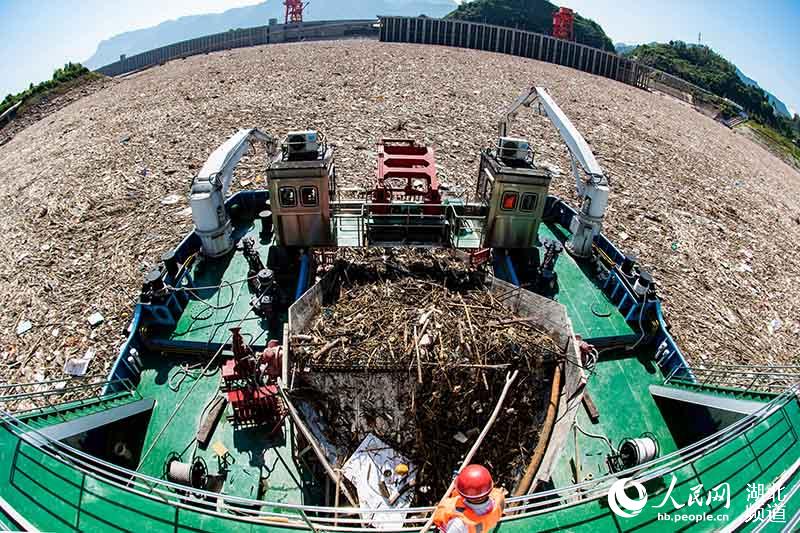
{"x": 307, "y": 361}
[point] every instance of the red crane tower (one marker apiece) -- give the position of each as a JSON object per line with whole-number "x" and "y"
{"x": 294, "y": 10}
{"x": 563, "y": 24}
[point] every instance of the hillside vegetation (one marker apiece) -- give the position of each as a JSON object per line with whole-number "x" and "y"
{"x": 779, "y": 144}
{"x": 707, "y": 69}
{"x": 530, "y": 15}
{"x": 61, "y": 77}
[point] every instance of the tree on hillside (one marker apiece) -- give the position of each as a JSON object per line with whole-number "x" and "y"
{"x": 68, "y": 72}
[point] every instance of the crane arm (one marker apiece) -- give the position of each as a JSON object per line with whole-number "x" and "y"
{"x": 526, "y": 99}
{"x": 210, "y": 186}
{"x": 217, "y": 172}
{"x": 591, "y": 182}
{"x": 578, "y": 147}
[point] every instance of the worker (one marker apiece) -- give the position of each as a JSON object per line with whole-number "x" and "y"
{"x": 475, "y": 506}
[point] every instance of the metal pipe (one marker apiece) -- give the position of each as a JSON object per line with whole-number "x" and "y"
{"x": 302, "y": 280}
{"x": 512, "y": 273}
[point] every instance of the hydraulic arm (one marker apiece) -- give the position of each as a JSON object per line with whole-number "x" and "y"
{"x": 591, "y": 183}
{"x": 210, "y": 186}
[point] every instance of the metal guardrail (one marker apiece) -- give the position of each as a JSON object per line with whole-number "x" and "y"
{"x": 746, "y": 378}
{"x": 491, "y": 38}
{"x": 351, "y": 519}
{"x": 358, "y": 218}
{"x": 30, "y": 398}
{"x": 241, "y": 38}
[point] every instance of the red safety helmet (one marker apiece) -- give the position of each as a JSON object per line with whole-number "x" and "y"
{"x": 474, "y": 482}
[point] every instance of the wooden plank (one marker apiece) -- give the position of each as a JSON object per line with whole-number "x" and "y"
{"x": 209, "y": 422}
{"x": 591, "y": 408}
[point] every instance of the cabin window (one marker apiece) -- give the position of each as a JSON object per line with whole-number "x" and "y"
{"x": 509, "y": 201}
{"x": 528, "y": 202}
{"x": 288, "y": 197}
{"x": 309, "y": 196}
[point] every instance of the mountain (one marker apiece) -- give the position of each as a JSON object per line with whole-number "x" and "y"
{"x": 173, "y": 31}
{"x": 702, "y": 66}
{"x": 779, "y": 107}
{"x": 531, "y": 15}
{"x": 649, "y": 51}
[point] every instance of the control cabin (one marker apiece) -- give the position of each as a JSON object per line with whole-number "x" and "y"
{"x": 302, "y": 178}
{"x": 407, "y": 206}
{"x": 514, "y": 189}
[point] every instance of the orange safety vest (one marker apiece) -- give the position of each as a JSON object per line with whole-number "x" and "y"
{"x": 456, "y": 507}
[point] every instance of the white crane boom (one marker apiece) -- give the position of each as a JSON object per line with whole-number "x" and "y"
{"x": 210, "y": 186}
{"x": 591, "y": 183}
{"x": 217, "y": 171}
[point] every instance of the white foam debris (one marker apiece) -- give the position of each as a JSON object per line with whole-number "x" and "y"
{"x": 23, "y": 327}
{"x": 372, "y": 469}
{"x": 77, "y": 366}
{"x": 95, "y": 319}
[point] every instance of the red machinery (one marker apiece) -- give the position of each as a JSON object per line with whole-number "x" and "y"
{"x": 249, "y": 380}
{"x": 237, "y": 371}
{"x": 254, "y": 406}
{"x": 564, "y": 24}
{"x": 294, "y": 10}
{"x": 403, "y": 160}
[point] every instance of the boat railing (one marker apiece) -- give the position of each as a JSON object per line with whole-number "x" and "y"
{"x": 748, "y": 378}
{"x": 465, "y": 224}
{"x": 348, "y": 216}
{"x": 322, "y": 518}
{"x": 357, "y": 217}
{"x": 37, "y": 397}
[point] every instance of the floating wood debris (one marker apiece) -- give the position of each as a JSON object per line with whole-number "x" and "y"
{"x": 403, "y": 324}
{"x": 681, "y": 183}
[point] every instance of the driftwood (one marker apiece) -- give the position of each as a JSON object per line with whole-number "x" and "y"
{"x": 401, "y": 318}
{"x": 703, "y": 205}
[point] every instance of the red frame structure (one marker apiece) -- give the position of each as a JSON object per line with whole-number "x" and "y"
{"x": 564, "y": 24}
{"x": 256, "y": 405}
{"x": 294, "y": 11}
{"x": 404, "y": 159}
{"x": 253, "y": 403}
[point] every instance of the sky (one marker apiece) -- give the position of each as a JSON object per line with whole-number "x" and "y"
{"x": 761, "y": 37}
{"x": 37, "y": 36}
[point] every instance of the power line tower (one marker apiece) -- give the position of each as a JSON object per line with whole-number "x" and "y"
{"x": 294, "y": 11}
